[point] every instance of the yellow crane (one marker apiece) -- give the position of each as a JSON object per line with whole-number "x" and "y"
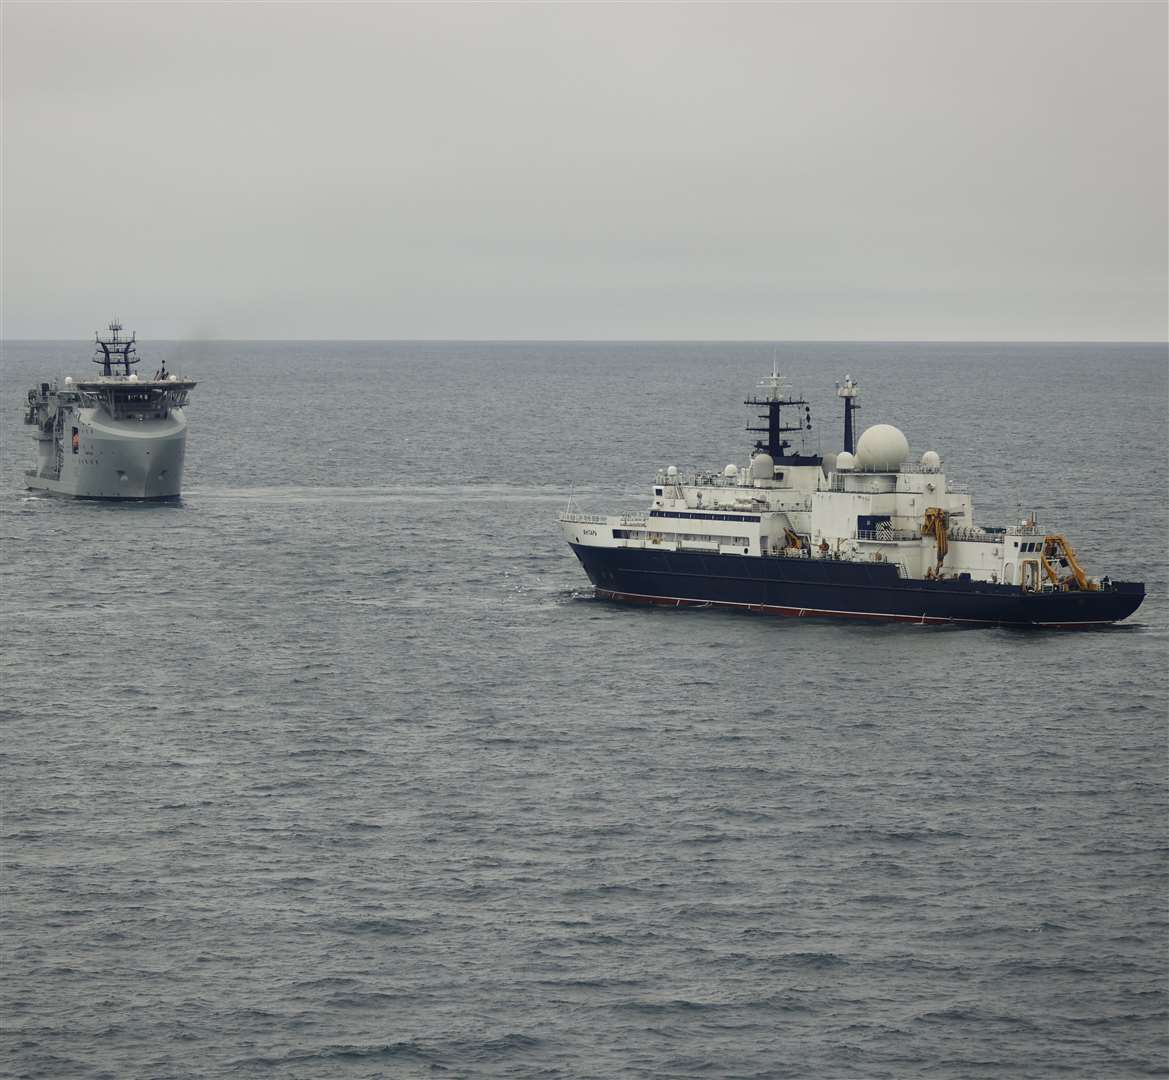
{"x": 1057, "y": 547}
{"x": 936, "y": 525}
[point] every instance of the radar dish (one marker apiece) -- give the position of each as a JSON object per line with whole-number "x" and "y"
{"x": 882, "y": 448}
{"x": 762, "y": 467}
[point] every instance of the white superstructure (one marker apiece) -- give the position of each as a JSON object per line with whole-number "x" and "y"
{"x": 876, "y": 505}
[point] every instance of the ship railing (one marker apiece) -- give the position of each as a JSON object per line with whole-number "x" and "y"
{"x": 892, "y": 535}
{"x": 975, "y": 536}
{"x": 700, "y": 479}
{"x": 1025, "y": 530}
{"x": 628, "y": 521}
{"x": 905, "y": 467}
{"x": 838, "y": 480}
{"x": 751, "y": 506}
{"x": 742, "y": 480}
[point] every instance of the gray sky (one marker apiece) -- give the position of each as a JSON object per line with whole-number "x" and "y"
{"x": 777, "y": 172}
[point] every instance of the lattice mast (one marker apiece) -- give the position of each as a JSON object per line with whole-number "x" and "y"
{"x": 775, "y": 402}
{"x": 115, "y": 347}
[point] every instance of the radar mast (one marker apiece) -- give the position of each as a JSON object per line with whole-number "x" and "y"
{"x": 774, "y": 401}
{"x": 848, "y": 390}
{"x": 115, "y": 347}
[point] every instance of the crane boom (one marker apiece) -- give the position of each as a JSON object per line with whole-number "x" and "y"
{"x": 1056, "y": 546}
{"x": 936, "y": 525}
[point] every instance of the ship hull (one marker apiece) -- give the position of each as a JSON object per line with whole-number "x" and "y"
{"x": 125, "y": 461}
{"x": 839, "y": 589}
{"x": 55, "y": 487}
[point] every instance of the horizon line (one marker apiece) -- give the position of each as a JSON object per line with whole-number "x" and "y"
{"x": 629, "y": 341}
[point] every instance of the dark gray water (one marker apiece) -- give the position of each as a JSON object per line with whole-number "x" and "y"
{"x": 335, "y": 768}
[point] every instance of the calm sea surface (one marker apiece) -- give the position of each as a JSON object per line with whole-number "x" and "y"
{"x": 335, "y": 768}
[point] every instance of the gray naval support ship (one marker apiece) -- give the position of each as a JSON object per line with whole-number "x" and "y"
{"x": 114, "y": 436}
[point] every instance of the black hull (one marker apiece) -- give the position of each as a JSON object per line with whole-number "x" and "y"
{"x": 840, "y": 589}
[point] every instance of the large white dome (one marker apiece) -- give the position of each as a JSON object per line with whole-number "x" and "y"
{"x": 762, "y": 467}
{"x": 882, "y": 448}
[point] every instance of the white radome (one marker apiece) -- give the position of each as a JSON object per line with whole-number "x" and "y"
{"x": 762, "y": 467}
{"x": 881, "y": 448}
{"x": 133, "y": 377}
{"x": 930, "y": 459}
{"x": 672, "y": 471}
{"x": 731, "y": 470}
{"x": 68, "y": 380}
{"x": 845, "y": 462}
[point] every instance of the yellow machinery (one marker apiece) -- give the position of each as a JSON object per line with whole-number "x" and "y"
{"x": 1057, "y": 547}
{"x": 935, "y": 524}
{"x": 791, "y": 540}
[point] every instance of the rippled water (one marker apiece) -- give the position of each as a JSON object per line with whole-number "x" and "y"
{"x": 335, "y": 769}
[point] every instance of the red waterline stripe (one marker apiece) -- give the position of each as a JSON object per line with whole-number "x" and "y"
{"x": 774, "y": 609}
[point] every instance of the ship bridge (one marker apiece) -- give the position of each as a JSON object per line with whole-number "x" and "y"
{"x": 132, "y": 399}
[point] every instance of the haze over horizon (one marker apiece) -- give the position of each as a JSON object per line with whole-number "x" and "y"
{"x": 792, "y": 172}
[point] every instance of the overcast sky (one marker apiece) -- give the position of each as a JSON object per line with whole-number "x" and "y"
{"x": 587, "y": 171}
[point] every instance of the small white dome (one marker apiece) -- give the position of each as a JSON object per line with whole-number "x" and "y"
{"x": 172, "y": 378}
{"x": 762, "y": 467}
{"x": 845, "y": 462}
{"x": 68, "y": 380}
{"x": 672, "y": 470}
{"x": 882, "y": 448}
{"x": 931, "y": 460}
{"x": 731, "y": 470}
{"x": 133, "y": 377}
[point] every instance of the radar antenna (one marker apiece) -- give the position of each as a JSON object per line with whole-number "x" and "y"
{"x": 848, "y": 390}
{"x": 114, "y": 347}
{"x": 774, "y": 401}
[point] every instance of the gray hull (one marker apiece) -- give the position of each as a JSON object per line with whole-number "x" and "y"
{"x": 114, "y": 459}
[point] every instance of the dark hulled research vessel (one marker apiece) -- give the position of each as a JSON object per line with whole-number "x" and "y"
{"x": 865, "y": 533}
